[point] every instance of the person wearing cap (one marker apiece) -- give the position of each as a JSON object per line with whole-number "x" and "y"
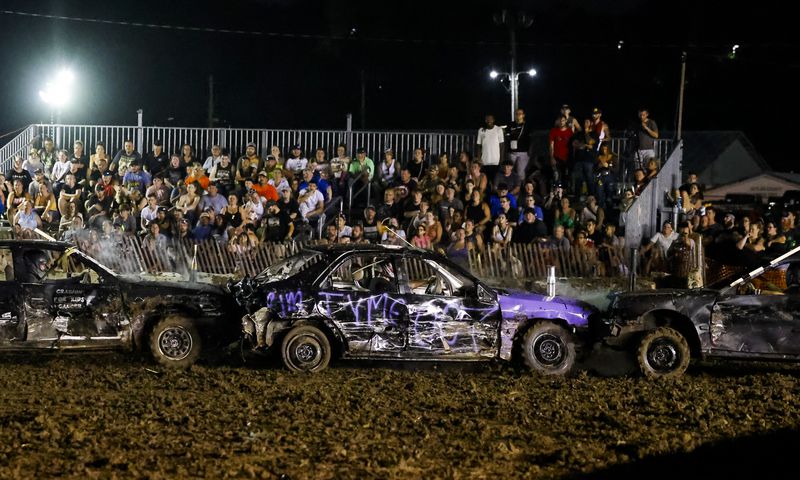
{"x": 48, "y": 153}
{"x": 490, "y": 149}
{"x": 530, "y": 228}
{"x": 271, "y": 167}
{"x": 212, "y": 199}
{"x": 157, "y": 160}
{"x": 99, "y": 207}
{"x": 136, "y": 178}
{"x": 264, "y": 189}
{"x": 518, "y": 139}
{"x": 248, "y": 165}
{"x": 124, "y": 157}
{"x": 108, "y": 182}
{"x": 599, "y": 127}
{"x": 572, "y": 122}
{"x": 297, "y": 162}
{"x": 362, "y": 166}
{"x": 276, "y": 226}
{"x": 33, "y": 162}
{"x": 166, "y": 223}
{"x": 213, "y": 159}
{"x": 224, "y": 175}
{"x": 203, "y": 229}
{"x": 370, "y": 225}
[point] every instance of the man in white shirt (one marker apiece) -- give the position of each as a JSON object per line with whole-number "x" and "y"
{"x": 491, "y": 146}
{"x": 311, "y": 201}
{"x": 213, "y": 159}
{"x": 297, "y": 162}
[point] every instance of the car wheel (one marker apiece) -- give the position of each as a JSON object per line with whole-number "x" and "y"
{"x": 663, "y": 353}
{"x": 548, "y": 348}
{"x": 175, "y": 342}
{"x": 306, "y": 349}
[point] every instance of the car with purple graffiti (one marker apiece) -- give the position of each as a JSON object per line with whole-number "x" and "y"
{"x": 401, "y": 303}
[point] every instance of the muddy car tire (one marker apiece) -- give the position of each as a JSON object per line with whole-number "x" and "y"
{"x": 175, "y": 342}
{"x": 663, "y": 353}
{"x": 548, "y": 349}
{"x": 306, "y": 349}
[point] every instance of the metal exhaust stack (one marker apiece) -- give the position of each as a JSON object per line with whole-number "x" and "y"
{"x": 551, "y": 281}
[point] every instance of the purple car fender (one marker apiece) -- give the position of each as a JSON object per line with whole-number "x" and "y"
{"x": 517, "y": 307}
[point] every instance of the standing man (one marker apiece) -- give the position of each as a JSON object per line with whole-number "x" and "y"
{"x": 491, "y": 146}
{"x": 559, "y": 149}
{"x": 647, "y": 134}
{"x": 599, "y": 127}
{"x": 519, "y": 142}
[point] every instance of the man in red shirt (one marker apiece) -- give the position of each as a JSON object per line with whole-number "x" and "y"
{"x": 264, "y": 189}
{"x": 559, "y": 140}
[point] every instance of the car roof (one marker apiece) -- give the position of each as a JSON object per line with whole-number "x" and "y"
{"x": 34, "y": 243}
{"x": 359, "y": 247}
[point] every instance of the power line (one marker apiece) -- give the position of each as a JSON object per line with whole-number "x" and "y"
{"x": 354, "y": 36}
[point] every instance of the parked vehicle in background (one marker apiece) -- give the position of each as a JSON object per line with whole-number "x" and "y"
{"x": 53, "y": 297}
{"x": 382, "y": 302}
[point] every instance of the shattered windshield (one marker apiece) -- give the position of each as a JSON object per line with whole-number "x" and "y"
{"x": 290, "y": 266}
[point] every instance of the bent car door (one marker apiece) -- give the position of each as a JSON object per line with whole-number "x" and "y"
{"x": 446, "y": 319}
{"x": 72, "y": 303}
{"x": 761, "y": 318}
{"x": 361, "y": 297}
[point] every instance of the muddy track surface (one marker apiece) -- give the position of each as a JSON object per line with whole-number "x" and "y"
{"x": 106, "y": 416}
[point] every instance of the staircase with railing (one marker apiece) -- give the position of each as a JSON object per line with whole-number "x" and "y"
{"x": 652, "y": 207}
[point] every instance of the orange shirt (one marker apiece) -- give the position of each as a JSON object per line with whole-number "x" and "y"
{"x": 267, "y": 191}
{"x": 203, "y": 181}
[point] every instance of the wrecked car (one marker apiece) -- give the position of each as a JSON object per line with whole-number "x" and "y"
{"x": 382, "y": 302}
{"x": 54, "y": 297}
{"x": 754, "y": 317}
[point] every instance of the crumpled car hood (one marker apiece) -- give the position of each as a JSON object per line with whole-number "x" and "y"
{"x": 535, "y": 305}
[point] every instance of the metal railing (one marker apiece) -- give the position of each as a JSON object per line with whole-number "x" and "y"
{"x": 17, "y": 145}
{"x": 651, "y": 208}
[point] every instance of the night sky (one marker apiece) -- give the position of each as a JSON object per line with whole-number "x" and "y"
{"x": 425, "y": 64}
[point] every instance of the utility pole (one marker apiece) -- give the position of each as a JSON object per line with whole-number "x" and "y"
{"x": 513, "y": 21}
{"x": 680, "y": 95}
{"x": 211, "y": 101}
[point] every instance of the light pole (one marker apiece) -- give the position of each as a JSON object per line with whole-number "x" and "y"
{"x": 513, "y": 85}
{"x": 513, "y": 21}
{"x": 57, "y": 93}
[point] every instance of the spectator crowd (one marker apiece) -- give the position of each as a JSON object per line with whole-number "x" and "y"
{"x": 500, "y": 194}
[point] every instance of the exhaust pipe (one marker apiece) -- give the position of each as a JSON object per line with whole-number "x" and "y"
{"x": 551, "y": 281}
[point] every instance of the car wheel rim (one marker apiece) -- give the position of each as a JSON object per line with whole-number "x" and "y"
{"x": 305, "y": 352}
{"x": 663, "y": 355}
{"x": 548, "y": 349}
{"x": 175, "y": 343}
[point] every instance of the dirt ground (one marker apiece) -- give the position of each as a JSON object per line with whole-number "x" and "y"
{"x": 107, "y": 416}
